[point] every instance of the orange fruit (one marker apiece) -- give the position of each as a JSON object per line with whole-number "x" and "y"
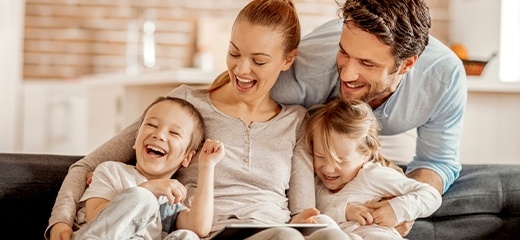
{"x": 460, "y": 51}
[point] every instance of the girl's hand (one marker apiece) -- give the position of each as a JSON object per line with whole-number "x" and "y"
{"x": 171, "y": 188}
{"x": 383, "y": 213}
{"x": 306, "y": 216}
{"x": 359, "y": 213}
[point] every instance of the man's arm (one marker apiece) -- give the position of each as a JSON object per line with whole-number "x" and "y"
{"x": 313, "y": 77}
{"x": 437, "y": 159}
{"x": 428, "y": 176}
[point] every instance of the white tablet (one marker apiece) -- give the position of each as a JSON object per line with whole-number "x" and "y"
{"x": 241, "y": 231}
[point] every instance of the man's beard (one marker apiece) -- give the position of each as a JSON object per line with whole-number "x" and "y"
{"x": 376, "y": 91}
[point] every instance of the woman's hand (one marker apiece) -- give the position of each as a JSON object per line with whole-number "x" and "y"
{"x": 61, "y": 231}
{"x": 306, "y": 216}
{"x": 89, "y": 177}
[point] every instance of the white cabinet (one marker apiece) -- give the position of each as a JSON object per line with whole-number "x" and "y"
{"x": 65, "y": 117}
{"x": 120, "y": 101}
{"x": 491, "y": 132}
{"x": 54, "y": 117}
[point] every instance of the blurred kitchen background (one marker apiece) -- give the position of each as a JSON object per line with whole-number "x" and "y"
{"x": 73, "y": 73}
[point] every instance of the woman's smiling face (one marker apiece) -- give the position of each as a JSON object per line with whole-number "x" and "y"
{"x": 255, "y": 59}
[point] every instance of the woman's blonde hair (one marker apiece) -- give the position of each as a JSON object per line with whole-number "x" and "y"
{"x": 278, "y": 15}
{"x": 351, "y": 118}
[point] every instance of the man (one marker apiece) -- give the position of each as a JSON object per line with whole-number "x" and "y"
{"x": 386, "y": 57}
{"x": 380, "y": 59}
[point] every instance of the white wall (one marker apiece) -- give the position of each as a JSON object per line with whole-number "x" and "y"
{"x": 11, "y": 43}
{"x": 476, "y": 25}
{"x": 509, "y": 41}
{"x": 491, "y": 131}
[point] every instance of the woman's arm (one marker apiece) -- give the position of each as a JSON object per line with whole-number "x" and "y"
{"x": 119, "y": 148}
{"x": 301, "y": 185}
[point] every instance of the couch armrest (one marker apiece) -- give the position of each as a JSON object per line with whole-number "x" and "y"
{"x": 29, "y": 184}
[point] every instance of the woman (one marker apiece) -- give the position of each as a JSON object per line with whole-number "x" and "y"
{"x": 266, "y": 175}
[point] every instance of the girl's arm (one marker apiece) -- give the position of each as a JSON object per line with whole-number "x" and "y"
{"x": 412, "y": 200}
{"x": 200, "y": 217}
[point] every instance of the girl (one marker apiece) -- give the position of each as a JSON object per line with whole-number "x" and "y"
{"x": 356, "y": 186}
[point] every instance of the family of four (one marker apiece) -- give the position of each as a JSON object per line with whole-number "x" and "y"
{"x": 288, "y": 134}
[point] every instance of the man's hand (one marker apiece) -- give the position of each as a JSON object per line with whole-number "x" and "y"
{"x": 306, "y": 216}
{"x": 171, "y": 188}
{"x": 359, "y": 213}
{"x": 383, "y": 213}
{"x": 404, "y": 228}
{"x": 61, "y": 231}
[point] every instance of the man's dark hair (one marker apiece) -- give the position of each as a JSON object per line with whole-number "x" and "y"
{"x": 403, "y": 25}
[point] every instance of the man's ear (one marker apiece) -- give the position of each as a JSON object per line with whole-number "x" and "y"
{"x": 408, "y": 64}
{"x": 289, "y": 59}
{"x": 187, "y": 160}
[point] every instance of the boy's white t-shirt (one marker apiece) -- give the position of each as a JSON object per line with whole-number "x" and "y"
{"x": 110, "y": 178}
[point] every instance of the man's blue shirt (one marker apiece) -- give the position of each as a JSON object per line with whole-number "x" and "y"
{"x": 431, "y": 97}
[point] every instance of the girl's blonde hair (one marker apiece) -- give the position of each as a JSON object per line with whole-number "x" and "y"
{"x": 278, "y": 15}
{"x": 351, "y": 118}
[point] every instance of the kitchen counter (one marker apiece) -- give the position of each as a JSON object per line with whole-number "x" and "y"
{"x": 77, "y": 115}
{"x": 182, "y": 75}
{"x": 483, "y": 84}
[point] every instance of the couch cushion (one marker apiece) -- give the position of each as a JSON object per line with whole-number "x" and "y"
{"x": 474, "y": 227}
{"x": 480, "y": 190}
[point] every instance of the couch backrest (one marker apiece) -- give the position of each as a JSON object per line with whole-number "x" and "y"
{"x": 29, "y": 184}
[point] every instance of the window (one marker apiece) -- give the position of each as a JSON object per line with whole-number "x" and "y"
{"x": 509, "y": 69}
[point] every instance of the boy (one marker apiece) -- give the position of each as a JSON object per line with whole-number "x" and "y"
{"x": 123, "y": 201}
